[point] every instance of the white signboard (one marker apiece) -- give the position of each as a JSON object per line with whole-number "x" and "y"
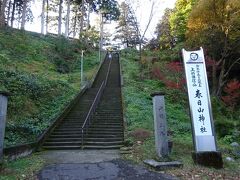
{"x": 199, "y": 100}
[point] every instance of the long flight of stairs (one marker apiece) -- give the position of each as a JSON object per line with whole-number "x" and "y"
{"x": 106, "y": 129}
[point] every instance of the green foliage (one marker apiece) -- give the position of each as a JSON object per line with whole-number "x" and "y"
{"x": 110, "y": 8}
{"x": 179, "y": 17}
{"x": 138, "y": 102}
{"x": 42, "y": 73}
{"x": 215, "y": 26}
{"x": 23, "y": 168}
{"x": 127, "y": 30}
{"x": 163, "y": 31}
{"x": 225, "y": 120}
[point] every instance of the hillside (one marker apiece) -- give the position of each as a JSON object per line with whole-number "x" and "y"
{"x": 140, "y": 125}
{"x": 42, "y": 73}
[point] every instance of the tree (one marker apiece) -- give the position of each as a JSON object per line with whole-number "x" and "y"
{"x": 127, "y": 31}
{"x": 107, "y": 7}
{"x": 43, "y": 16}
{"x": 67, "y": 19}
{"x": 179, "y": 18}
{"x": 24, "y": 11}
{"x": 2, "y": 13}
{"x": 141, "y": 34}
{"x": 19, "y": 11}
{"x": 13, "y": 12}
{"x": 74, "y": 20}
{"x": 60, "y": 17}
{"x": 163, "y": 31}
{"x": 82, "y": 17}
{"x": 215, "y": 24}
{"x": 47, "y": 16}
{"x": 9, "y": 11}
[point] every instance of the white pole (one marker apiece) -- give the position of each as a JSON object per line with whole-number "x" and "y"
{"x": 101, "y": 35}
{"x": 3, "y": 115}
{"x": 82, "y": 80}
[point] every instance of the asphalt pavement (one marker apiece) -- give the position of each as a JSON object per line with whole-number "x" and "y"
{"x": 94, "y": 165}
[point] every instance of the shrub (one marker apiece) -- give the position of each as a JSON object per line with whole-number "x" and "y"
{"x": 140, "y": 134}
{"x": 232, "y": 97}
{"x": 171, "y": 74}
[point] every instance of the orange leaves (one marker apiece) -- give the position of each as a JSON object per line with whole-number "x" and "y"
{"x": 170, "y": 74}
{"x": 232, "y": 90}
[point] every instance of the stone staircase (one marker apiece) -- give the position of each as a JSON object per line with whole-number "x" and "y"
{"x": 106, "y": 128}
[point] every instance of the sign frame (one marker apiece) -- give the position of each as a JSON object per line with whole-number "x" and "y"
{"x": 202, "y": 143}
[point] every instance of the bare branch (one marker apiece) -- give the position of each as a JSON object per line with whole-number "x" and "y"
{"x": 229, "y": 69}
{"x": 149, "y": 20}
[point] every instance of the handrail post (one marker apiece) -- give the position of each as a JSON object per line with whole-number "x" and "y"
{"x": 95, "y": 103}
{"x": 82, "y": 138}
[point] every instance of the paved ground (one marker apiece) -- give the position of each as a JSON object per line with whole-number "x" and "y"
{"x": 94, "y": 165}
{"x": 79, "y": 156}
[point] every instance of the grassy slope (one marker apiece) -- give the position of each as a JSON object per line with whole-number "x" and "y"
{"x": 24, "y": 168}
{"x": 42, "y": 74}
{"x": 138, "y": 114}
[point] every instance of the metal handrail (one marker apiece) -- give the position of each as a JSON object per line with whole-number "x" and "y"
{"x": 95, "y": 103}
{"x": 106, "y": 79}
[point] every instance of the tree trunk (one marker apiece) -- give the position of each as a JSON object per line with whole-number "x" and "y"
{"x": 47, "y": 17}
{"x": 9, "y": 11}
{"x": 13, "y": 12}
{"x": 19, "y": 21}
{"x": 67, "y": 19}
{"x": 75, "y": 24}
{"x": 43, "y": 17}
{"x": 82, "y": 18}
{"x": 60, "y": 18}
{"x": 214, "y": 79}
{"x": 24, "y": 14}
{"x": 88, "y": 17}
{"x": 2, "y": 13}
{"x": 140, "y": 61}
{"x": 221, "y": 81}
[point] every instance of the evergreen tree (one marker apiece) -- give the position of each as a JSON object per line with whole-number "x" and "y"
{"x": 179, "y": 18}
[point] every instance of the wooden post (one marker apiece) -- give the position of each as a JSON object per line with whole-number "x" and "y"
{"x": 160, "y": 124}
{"x": 3, "y": 115}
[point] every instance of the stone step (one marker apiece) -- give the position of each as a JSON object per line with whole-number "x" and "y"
{"x": 108, "y": 123}
{"x": 65, "y": 136}
{"x": 63, "y": 143}
{"x": 102, "y": 147}
{"x": 104, "y": 133}
{"x": 104, "y": 136}
{"x": 66, "y": 133}
{"x": 106, "y": 128}
{"x": 91, "y": 129}
{"x": 79, "y": 139}
{"x": 95, "y": 143}
{"x": 60, "y": 147}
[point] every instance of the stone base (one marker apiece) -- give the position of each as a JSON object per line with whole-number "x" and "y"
{"x": 209, "y": 159}
{"x": 163, "y": 165}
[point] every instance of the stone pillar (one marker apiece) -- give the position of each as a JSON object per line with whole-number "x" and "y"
{"x": 3, "y": 115}
{"x": 160, "y": 124}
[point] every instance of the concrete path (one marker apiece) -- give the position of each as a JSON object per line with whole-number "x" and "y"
{"x": 79, "y": 156}
{"x": 93, "y": 165}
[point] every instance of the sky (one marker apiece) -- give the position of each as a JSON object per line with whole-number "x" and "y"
{"x": 141, "y": 7}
